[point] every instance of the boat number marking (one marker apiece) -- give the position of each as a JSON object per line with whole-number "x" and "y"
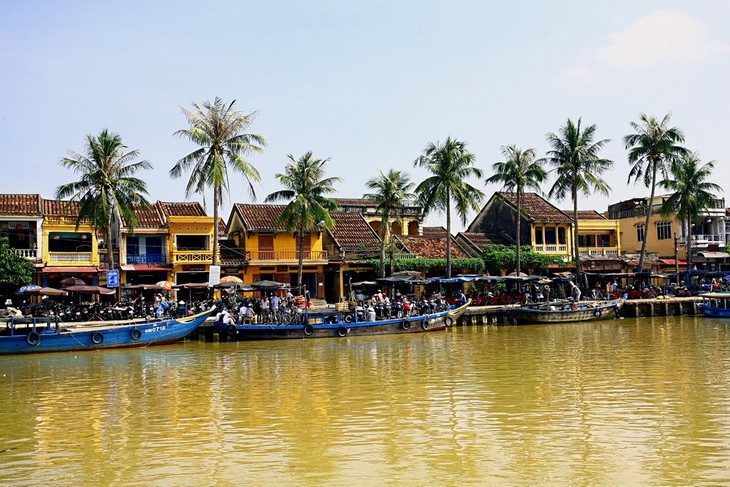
{"x": 155, "y": 328}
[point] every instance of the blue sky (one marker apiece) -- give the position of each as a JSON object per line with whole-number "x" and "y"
{"x": 367, "y": 84}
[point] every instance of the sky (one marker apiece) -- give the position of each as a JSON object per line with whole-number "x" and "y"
{"x": 366, "y": 84}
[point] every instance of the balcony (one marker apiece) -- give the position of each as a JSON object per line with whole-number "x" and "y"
{"x": 285, "y": 255}
{"x": 599, "y": 251}
{"x": 147, "y": 259}
{"x": 700, "y": 240}
{"x": 192, "y": 257}
{"x": 27, "y": 253}
{"x": 551, "y": 249}
{"x": 75, "y": 257}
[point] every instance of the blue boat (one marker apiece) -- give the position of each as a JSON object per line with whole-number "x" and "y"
{"x": 337, "y": 325}
{"x": 715, "y": 305}
{"x": 35, "y": 335}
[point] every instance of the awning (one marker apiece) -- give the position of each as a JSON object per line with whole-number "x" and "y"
{"x": 713, "y": 255}
{"x": 70, "y": 270}
{"x": 672, "y": 261}
{"x": 145, "y": 267}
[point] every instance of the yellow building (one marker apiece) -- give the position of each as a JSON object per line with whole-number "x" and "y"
{"x": 407, "y": 222}
{"x": 271, "y": 253}
{"x": 144, "y": 252}
{"x": 68, "y": 250}
{"x": 190, "y": 241}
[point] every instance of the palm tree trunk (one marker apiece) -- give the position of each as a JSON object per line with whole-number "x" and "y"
{"x": 518, "y": 250}
{"x": 215, "y": 225}
{"x": 448, "y": 234}
{"x": 109, "y": 246}
{"x": 386, "y": 238}
{"x": 300, "y": 268}
{"x": 642, "y": 255}
{"x": 689, "y": 250}
{"x": 576, "y": 252}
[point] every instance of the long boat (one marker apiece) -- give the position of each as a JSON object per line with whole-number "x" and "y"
{"x": 33, "y": 336}
{"x": 322, "y": 325}
{"x": 566, "y": 312}
{"x": 715, "y": 305}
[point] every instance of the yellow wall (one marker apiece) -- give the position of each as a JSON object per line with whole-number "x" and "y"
{"x": 665, "y": 247}
{"x": 68, "y": 224}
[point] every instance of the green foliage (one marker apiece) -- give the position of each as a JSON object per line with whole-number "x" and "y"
{"x": 14, "y": 269}
{"x": 475, "y": 265}
{"x": 498, "y": 257}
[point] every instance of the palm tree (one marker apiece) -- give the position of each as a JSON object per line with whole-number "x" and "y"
{"x": 107, "y": 187}
{"x": 651, "y": 149}
{"x": 450, "y": 164}
{"x": 518, "y": 172}
{"x": 578, "y": 170}
{"x": 308, "y": 205}
{"x": 392, "y": 192}
{"x": 691, "y": 193}
{"x": 219, "y": 131}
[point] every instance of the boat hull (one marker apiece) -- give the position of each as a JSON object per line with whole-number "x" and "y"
{"x": 715, "y": 305}
{"x": 63, "y": 337}
{"x": 565, "y": 314}
{"x": 318, "y": 327}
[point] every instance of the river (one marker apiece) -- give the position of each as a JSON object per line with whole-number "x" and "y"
{"x": 623, "y": 402}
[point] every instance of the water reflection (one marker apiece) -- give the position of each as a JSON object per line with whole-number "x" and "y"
{"x": 634, "y": 401}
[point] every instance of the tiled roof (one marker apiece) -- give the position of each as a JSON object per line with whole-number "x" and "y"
{"x": 21, "y": 204}
{"x": 355, "y": 202}
{"x": 482, "y": 240}
{"x": 60, "y": 208}
{"x": 434, "y": 231}
{"x": 352, "y": 233}
{"x": 259, "y": 218}
{"x": 585, "y": 215}
{"x": 222, "y": 229}
{"x": 432, "y": 247}
{"x": 232, "y": 256}
{"x": 149, "y": 218}
{"x": 188, "y": 208}
{"x": 537, "y": 208}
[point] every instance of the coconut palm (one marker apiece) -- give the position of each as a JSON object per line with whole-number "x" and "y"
{"x": 391, "y": 192}
{"x": 450, "y": 164}
{"x": 651, "y": 150}
{"x": 519, "y": 171}
{"x": 308, "y": 205}
{"x": 107, "y": 187}
{"x": 691, "y": 193}
{"x": 578, "y": 169}
{"x": 219, "y": 131}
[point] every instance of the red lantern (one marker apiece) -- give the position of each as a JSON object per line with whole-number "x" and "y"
{"x": 89, "y": 276}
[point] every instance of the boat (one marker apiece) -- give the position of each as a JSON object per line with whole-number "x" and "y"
{"x": 35, "y": 335}
{"x": 566, "y": 312}
{"x": 338, "y": 325}
{"x": 715, "y": 305}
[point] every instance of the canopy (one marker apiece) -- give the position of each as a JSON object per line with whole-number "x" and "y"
{"x": 141, "y": 286}
{"x": 165, "y": 285}
{"x": 28, "y": 289}
{"x": 83, "y": 289}
{"x": 72, "y": 281}
{"x": 268, "y": 285}
{"x": 50, "y": 291}
{"x": 226, "y": 279}
{"x": 192, "y": 285}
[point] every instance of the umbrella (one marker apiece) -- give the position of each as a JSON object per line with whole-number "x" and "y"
{"x": 83, "y": 289}
{"x": 226, "y": 279}
{"x": 51, "y": 291}
{"x": 142, "y": 286}
{"x": 165, "y": 285}
{"x": 268, "y": 285}
{"x": 72, "y": 281}
{"x": 29, "y": 289}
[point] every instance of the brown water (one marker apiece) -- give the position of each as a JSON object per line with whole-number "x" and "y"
{"x": 624, "y": 402}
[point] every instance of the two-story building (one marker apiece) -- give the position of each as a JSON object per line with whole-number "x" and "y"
{"x": 190, "y": 241}
{"x": 144, "y": 252}
{"x": 21, "y": 221}
{"x": 271, "y": 252}
{"x": 68, "y": 249}
{"x": 407, "y": 221}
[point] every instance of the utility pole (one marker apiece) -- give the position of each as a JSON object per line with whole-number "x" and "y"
{"x": 676, "y": 258}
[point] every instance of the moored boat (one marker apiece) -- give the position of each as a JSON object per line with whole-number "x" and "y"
{"x": 715, "y": 305}
{"x": 326, "y": 325}
{"x": 33, "y": 336}
{"x": 566, "y": 312}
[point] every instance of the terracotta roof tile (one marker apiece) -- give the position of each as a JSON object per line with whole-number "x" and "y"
{"x": 21, "y": 204}
{"x": 537, "y": 208}
{"x": 259, "y": 218}
{"x": 432, "y": 247}
{"x": 60, "y": 208}
{"x": 482, "y": 240}
{"x": 232, "y": 256}
{"x": 188, "y": 208}
{"x": 434, "y": 231}
{"x": 355, "y": 202}
{"x": 352, "y": 233}
{"x": 585, "y": 215}
{"x": 149, "y": 218}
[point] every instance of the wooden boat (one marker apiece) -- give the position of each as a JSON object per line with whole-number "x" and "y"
{"x": 323, "y": 325}
{"x": 566, "y": 312}
{"x": 715, "y": 305}
{"x": 33, "y": 336}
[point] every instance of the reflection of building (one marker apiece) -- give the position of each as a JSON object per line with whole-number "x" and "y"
{"x": 707, "y": 235}
{"x": 68, "y": 249}
{"x": 21, "y": 221}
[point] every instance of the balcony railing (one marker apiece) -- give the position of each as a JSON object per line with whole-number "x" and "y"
{"x": 55, "y": 257}
{"x": 599, "y": 251}
{"x": 146, "y": 259}
{"x": 551, "y": 249}
{"x": 27, "y": 253}
{"x": 292, "y": 255}
{"x": 192, "y": 257}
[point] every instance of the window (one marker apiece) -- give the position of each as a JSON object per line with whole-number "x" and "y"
{"x": 550, "y": 236}
{"x": 192, "y": 242}
{"x": 562, "y": 236}
{"x": 664, "y": 230}
{"x": 69, "y": 242}
{"x": 132, "y": 245}
{"x": 154, "y": 245}
{"x": 538, "y": 236}
{"x": 640, "y": 232}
